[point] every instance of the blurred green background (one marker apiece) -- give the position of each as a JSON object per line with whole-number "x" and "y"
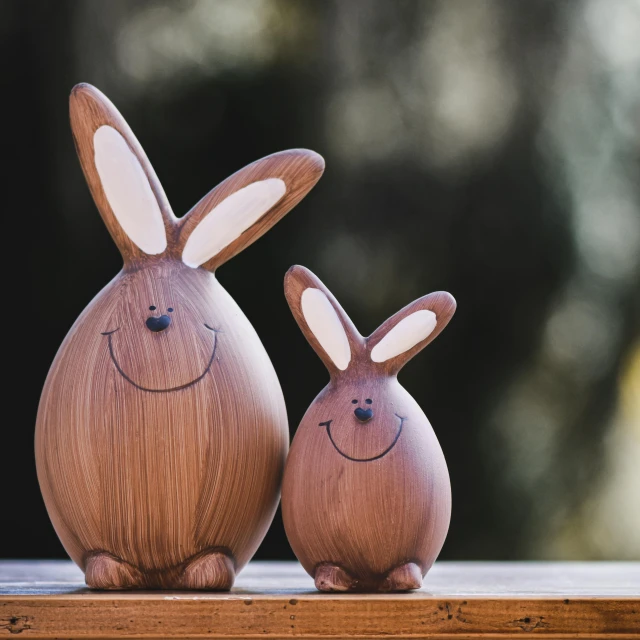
{"x": 486, "y": 147}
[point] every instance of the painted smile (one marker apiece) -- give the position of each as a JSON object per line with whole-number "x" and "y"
{"x": 327, "y": 424}
{"x": 109, "y": 335}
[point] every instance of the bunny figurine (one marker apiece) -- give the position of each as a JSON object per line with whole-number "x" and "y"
{"x": 366, "y": 498}
{"x": 162, "y": 431}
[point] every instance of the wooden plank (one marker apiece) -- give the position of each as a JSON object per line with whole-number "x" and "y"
{"x": 277, "y": 600}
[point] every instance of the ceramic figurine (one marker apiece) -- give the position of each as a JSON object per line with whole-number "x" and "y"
{"x": 366, "y": 498}
{"x": 162, "y": 431}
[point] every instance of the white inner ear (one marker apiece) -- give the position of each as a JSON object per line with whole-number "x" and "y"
{"x": 326, "y": 326}
{"x": 405, "y": 335}
{"x": 128, "y": 191}
{"x": 227, "y": 220}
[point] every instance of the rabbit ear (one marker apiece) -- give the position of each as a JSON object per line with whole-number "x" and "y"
{"x": 123, "y": 183}
{"x": 246, "y": 205}
{"x": 323, "y": 321}
{"x": 397, "y": 340}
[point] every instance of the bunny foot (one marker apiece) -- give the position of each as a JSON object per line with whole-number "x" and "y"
{"x": 211, "y": 571}
{"x": 105, "y": 571}
{"x": 330, "y": 577}
{"x": 403, "y": 578}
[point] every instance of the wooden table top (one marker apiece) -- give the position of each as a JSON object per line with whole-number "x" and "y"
{"x": 48, "y": 599}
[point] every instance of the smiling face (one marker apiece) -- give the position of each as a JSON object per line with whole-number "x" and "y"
{"x": 364, "y": 411}
{"x": 162, "y": 332}
{"x": 364, "y": 425}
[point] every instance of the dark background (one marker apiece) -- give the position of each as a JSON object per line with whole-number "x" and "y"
{"x": 488, "y": 148}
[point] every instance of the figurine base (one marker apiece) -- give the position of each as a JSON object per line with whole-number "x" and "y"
{"x": 333, "y": 578}
{"x": 211, "y": 570}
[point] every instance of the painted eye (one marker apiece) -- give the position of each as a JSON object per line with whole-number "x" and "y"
{"x": 170, "y": 309}
{"x": 152, "y": 308}
{"x": 354, "y": 402}
{"x": 368, "y": 400}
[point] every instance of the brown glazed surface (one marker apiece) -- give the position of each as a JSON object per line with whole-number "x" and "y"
{"x": 365, "y": 497}
{"x": 160, "y": 453}
{"x": 155, "y": 477}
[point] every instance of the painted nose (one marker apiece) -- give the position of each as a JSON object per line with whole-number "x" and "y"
{"x": 363, "y": 414}
{"x": 158, "y": 324}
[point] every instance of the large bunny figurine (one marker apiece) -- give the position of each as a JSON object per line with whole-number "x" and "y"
{"x": 366, "y": 497}
{"x": 162, "y": 431}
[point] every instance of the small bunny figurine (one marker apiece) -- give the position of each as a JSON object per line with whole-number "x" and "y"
{"x": 366, "y": 498}
{"x": 162, "y": 432}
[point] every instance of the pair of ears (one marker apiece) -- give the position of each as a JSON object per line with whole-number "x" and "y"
{"x": 137, "y": 213}
{"x": 340, "y": 346}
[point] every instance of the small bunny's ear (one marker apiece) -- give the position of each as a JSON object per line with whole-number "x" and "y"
{"x": 406, "y": 333}
{"x": 123, "y": 183}
{"x": 246, "y": 205}
{"x": 322, "y": 320}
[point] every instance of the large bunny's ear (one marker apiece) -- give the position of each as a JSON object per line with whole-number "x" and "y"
{"x": 323, "y": 321}
{"x": 407, "y": 332}
{"x": 123, "y": 183}
{"x": 246, "y": 205}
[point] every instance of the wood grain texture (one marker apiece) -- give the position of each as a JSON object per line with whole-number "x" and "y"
{"x": 300, "y": 169}
{"x": 46, "y": 599}
{"x": 366, "y": 500}
{"x": 162, "y": 431}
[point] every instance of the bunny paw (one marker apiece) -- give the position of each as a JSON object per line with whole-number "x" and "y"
{"x": 211, "y": 571}
{"x": 406, "y": 577}
{"x": 330, "y": 577}
{"x": 105, "y": 571}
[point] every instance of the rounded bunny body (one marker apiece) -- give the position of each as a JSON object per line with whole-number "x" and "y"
{"x": 149, "y": 447}
{"x": 367, "y": 497}
{"x": 162, "y": 432}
